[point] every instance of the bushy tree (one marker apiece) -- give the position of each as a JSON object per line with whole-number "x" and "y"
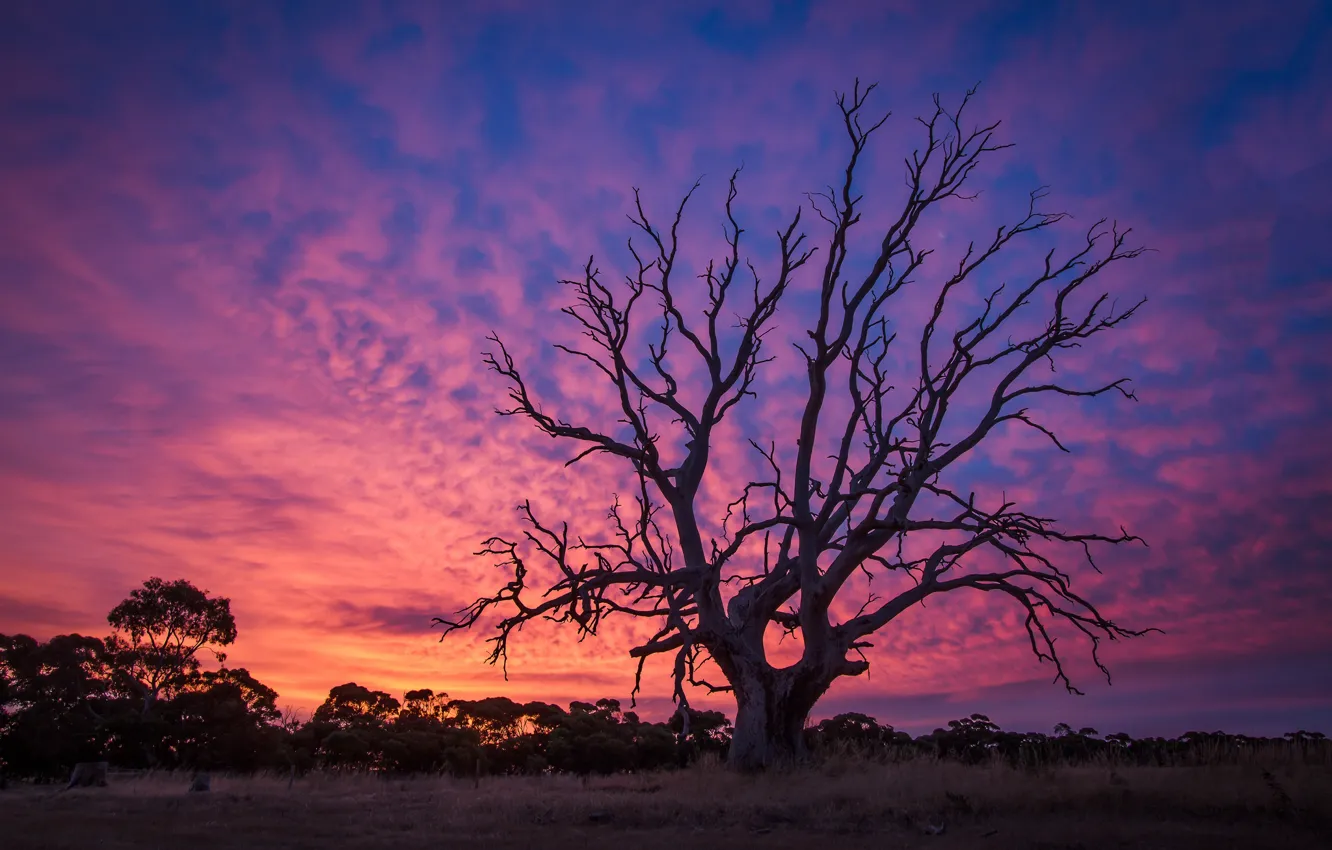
{"x": 493, "y": 718}
{"x": 221, "y": 720}
{"x": 55, "y": 699}
{"x": 422, "y": 709}
{"x": 160, "y": 630}
{"x": 856, "y": 732}
{"x": 352, "y": 706}
{"x": 708, "y": 732}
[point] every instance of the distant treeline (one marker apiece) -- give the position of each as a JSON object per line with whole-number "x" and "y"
{"x": 140, "y": 699}
{"x": 67, "y": 700}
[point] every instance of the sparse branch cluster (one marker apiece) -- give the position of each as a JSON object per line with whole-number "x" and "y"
{"x": 639, "y": 573}
{"x": 820, "y": 517}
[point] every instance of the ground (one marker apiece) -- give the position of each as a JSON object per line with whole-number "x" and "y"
{"x": 846, "y": 804}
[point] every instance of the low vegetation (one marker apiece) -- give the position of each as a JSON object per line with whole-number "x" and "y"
{"x": 62, "y": 706}
{"x": 140, "y": 701}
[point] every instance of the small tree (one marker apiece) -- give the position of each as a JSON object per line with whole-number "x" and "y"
{"x": 423, "y": 708}
{"x": 221, "y": 720}
{"x": 870, "y": 472}
{"x": 259, "y": 699}
{"x": 160, "y": 630}
{"x": 352, "y": 705}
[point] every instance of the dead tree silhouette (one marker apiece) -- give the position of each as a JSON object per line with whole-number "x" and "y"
{"x": 792, "y": 540}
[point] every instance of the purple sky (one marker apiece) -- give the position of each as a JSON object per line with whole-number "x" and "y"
{"x": 249, "y": 254}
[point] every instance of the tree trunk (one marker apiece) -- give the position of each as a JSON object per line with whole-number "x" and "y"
{"x": 772, "y": 707}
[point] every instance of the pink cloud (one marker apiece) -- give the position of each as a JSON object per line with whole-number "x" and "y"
{"x": 247, "y": 320}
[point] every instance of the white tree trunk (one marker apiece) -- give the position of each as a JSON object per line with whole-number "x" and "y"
{"x": 772, "y": 708}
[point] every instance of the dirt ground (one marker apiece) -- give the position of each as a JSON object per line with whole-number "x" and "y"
{"x": 834, "y": 806}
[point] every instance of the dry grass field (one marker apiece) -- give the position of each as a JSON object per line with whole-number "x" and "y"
{"x": 839, "y": 804}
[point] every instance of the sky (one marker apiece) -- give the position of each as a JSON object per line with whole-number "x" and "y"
{"x": 249, "y": 255}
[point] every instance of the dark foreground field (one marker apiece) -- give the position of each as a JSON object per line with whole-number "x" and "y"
{"x": 837, "y": 805}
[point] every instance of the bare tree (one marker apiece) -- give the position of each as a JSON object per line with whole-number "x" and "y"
{"x": 791, "y": 541}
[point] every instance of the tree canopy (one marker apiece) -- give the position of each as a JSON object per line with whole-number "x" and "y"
{"x": 160, "y": 630}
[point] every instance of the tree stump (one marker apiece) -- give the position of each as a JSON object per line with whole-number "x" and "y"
{"x": 88, "y": 774}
